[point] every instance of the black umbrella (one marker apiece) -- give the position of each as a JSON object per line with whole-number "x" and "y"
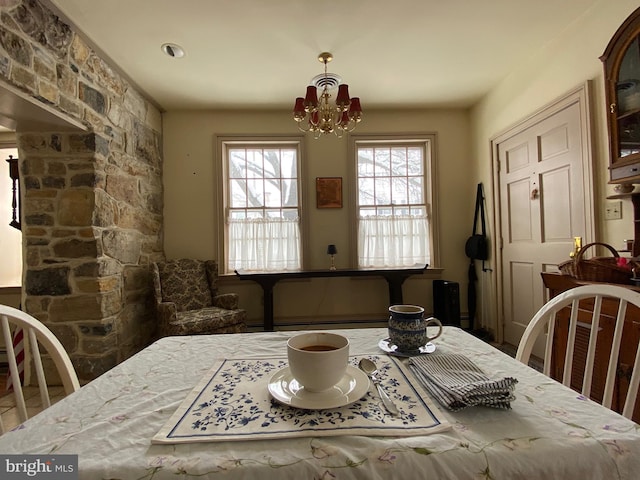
{"x": 471, "y": 293}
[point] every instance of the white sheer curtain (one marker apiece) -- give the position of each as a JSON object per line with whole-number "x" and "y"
{"x": 393, "y": 240}
{"x": 264, "y": 244}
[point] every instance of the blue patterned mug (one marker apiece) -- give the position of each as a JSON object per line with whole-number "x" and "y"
{"x": 408, "y": 327}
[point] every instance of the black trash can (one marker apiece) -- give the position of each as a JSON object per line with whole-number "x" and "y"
{"x": 446, "y": 302}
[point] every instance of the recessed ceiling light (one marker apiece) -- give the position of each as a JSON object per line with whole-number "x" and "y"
{"x": 173, "y": 50}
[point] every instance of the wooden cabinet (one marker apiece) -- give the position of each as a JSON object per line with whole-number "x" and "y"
{"x": 556, "y": 284}
{"x": 621, "y": 61}
{"x": 635, "y": 199}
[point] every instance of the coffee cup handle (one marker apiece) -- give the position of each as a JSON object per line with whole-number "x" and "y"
{"x": 435, "y": 321}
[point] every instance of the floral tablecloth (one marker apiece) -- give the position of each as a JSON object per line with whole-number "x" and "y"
{"x": 550, "y": 432}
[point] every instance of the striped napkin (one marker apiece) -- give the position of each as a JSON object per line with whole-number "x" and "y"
{"x": 457, "y": 383}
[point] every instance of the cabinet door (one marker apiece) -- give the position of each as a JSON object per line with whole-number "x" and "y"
{"x": 621, "y": 62}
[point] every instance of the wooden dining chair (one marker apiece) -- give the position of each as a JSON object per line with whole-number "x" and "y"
{"x": 35, "y": 335}
{"x": 599, "y": 334}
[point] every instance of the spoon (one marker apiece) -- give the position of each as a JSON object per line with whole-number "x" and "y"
{"x": 370, "y": 368}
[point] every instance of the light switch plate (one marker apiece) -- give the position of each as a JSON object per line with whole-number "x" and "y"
{"x": 613, "y": 210}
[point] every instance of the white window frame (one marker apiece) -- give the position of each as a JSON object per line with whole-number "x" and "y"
{"x": 223, "y": 143}
{"x": 429, "y": 142}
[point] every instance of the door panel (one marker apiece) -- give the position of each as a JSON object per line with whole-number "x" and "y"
{"x": 543, "y": 207}
{"x": 554, "y": 142}
{"x": 556, "y": 206}
{"x": 517, "y": 157}
{"x": 523, "y": 278}
{"x": 519, "y": 211}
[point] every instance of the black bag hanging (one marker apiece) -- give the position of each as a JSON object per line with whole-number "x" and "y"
{"x": 476, "y": 247}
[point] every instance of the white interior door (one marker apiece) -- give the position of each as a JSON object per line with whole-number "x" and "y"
{"x": 543, "y": 204}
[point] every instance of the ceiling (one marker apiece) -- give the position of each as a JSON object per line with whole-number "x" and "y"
{"x": 262, "y": 54}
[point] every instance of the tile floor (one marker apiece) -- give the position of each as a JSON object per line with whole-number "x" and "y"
{"x": 8, "y": 410}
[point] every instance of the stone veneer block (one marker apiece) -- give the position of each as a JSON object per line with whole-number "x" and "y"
{"x": 49, "y": 281}
{"x": 76, "y": 207}
{"x": 92, "y": 200}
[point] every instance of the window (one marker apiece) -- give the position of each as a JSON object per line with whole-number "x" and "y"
{"x": 393, "y": 201}
{"x": 262, "y": 205}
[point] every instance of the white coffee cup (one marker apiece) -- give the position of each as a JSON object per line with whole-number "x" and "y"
{"x": 318, "y": 360}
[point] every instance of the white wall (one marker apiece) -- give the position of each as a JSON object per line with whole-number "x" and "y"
{"x": 10, "y": 238}
{"x": 562, "y": 65}
{"x": 190, "y": 208}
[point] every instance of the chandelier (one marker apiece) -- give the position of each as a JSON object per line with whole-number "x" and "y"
{"x": 318, "y": 115}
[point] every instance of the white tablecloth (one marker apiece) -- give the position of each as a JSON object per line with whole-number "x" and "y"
{"x": 551, "y": 431}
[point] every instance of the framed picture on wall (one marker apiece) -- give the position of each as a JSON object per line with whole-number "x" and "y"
{"x": 329, "y": 192}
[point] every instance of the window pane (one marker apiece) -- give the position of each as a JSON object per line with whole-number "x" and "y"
{"x": 255, "y": 193}
{"x": 237, "y": 214}
{"x": 416, "y": 190}
{"x": 365, "y": 192}
{"x": 399, "y": 192}
{"x": 237, "y": 164}
{"x": 382, "y": 162}
{"x": 255, "y": 213}
{"x": 290, "y": 214}
{"x": 272, "y": 163}
{"x": 383, "y": 191}
{"x": 288, "y": 164}
{"x": 272, "y": 196}
{"x": 415, "y": 160}
{"x": 254, "y": 164}
{"x": 399, "y": 161}
{"x": 289, "y": 193}
{"x": 365, "y": 162}
{"x": 367, "y": 211}
{"x": 238, "y": 194}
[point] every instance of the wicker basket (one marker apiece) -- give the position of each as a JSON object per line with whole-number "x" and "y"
{"x": 598, "y": 269}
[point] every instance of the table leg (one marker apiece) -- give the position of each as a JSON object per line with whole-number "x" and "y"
{"x": 267, "y": 291}
{"x": 395, "y": 282}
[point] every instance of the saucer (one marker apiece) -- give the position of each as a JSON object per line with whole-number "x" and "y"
{"x": 386, "y": 345}
{"x": 285, "y": 389}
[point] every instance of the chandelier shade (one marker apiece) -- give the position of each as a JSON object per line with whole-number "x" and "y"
{"x": 316, "y": 114}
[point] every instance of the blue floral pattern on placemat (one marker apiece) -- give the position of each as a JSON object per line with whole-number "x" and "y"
{"x": 232, "y": 402}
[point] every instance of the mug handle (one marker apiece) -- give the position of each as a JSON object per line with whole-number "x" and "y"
{"x": 435, "y": 321}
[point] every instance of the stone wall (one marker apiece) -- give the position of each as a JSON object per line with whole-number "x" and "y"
{"x": 92, "y": 201}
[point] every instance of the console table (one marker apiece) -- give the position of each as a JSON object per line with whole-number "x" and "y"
{"x": 395, "y": 277}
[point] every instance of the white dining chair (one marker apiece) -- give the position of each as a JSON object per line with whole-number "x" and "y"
{"x": 544, "y": 320}
{"x": 35, "y": 335}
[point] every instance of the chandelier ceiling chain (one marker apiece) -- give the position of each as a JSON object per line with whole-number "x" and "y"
{"x": 320, "y": 116}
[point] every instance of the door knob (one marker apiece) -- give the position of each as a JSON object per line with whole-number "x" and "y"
{"x": 534, "y": 194}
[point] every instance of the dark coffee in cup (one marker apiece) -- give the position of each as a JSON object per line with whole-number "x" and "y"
{"x": 318, "y": 360}
{"x": 318, "y": 348}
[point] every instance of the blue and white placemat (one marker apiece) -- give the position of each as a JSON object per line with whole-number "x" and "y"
{"x": 232, "y": 402}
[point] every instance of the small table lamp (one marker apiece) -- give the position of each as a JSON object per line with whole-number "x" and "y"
{"x": 332, "y": 250}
